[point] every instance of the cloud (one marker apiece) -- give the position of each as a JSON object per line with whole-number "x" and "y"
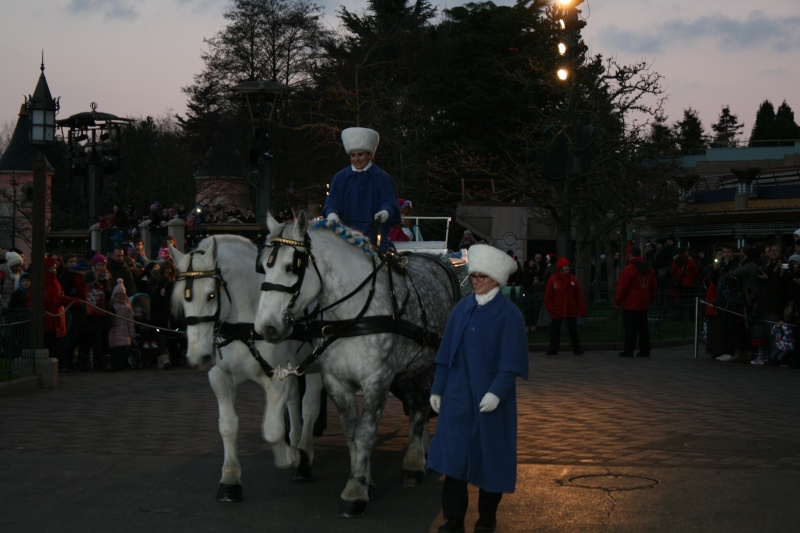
{"x": 757, "y": 31}
{"x": 108, "y": 9}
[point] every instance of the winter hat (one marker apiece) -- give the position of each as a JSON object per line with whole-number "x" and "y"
{"x": 795, "y": 258}
{"x": 562, "y": 263}
{"x": 119, "y": 288}
{"x": 49, "y": 261}
{"x": 404, "y": 204}
{"x": 551, "y": 258}
{"x": 98, "y": 258}
{"x": 363, "y": 139}
{"x": 163, "y": 254}
{"x": 25, "y": 275}
{"x": 13, "y": 259}
{"x": 492, "y": 262}
{"x": 796, "y": 234}
{"x": 83, "y": 264}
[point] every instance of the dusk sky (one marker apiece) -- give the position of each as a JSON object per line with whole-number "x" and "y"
{"x": 133, "y": 56}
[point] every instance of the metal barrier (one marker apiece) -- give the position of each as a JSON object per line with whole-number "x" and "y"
{"x": 17, "y": 354}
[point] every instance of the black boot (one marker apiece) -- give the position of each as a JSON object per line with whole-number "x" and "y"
{"x": 453, "y": 525}
{"x": 485, "y": 525}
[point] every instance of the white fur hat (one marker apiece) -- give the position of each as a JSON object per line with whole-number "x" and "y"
{"x": 492, "y": 262}
{"x": 13, "y": 259}
{"x": 363, "y": 139}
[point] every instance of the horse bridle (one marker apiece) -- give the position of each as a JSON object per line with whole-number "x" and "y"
{"x": 188, "y": 295}
{"x": 300, "y": 260}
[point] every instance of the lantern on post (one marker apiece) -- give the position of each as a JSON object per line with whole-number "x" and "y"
{"x": 42, "y": 109}
{"x": 263, "y": 100}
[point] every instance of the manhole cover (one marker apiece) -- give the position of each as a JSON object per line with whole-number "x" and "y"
{"x": 612, "y": 482}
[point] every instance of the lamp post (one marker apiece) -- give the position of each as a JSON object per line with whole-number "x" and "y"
{"x": 42, "y": 109}
{"x": 571, "y": 24}
{"x": 262, "y": 99}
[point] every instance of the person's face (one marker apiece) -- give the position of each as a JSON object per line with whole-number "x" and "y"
{"x": 537, "y": 258}
{"x": 72, "y": 261}
{"x": 774, "y": 252}
{"x": 359, "y": 159}
{"x": 25, "y": 282}
{"x": 565, "y": 269}
{"x": 727, "y": 254}
{"x": 118, "y": 255}
{"x": 99, "y": 267}
{"x": 481, "y": 283}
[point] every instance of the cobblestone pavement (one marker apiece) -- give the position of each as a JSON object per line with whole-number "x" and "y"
{"x": 590, "y": 414}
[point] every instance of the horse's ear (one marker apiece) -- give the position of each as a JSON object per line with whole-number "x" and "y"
{"x": 174, "y": 253}
{"x": 212, "y": 250}
{"x": 300, "y": 225}
{"x": 272, "y": 224}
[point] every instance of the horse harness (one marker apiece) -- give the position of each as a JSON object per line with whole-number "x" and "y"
{"x": 331, "y": 330}
{"x": 228, "y": 332}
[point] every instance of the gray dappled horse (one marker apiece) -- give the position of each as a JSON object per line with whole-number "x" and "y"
{"x": 217, "y": 293}
{"x": 379, "y": 326}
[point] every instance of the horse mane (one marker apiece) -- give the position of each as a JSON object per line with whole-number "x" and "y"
{"x": 351, "y": 236}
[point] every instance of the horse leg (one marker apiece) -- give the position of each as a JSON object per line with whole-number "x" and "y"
{"x": 274, "y": 427}
{"x": 230, "y": 485}
{"x": 415, "y": 394}
{"x": 311, "y": 409}
{"x": 358, "y": 490}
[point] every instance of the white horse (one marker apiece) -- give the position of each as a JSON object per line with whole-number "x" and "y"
{"x": 379, "y": 325}
{"x": 217, "y": 293}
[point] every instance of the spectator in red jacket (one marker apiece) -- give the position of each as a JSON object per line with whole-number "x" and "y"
{"x": 685, "y": 273}
{"x": 636, "y": 288}
{"x": 55, "y": 319}
{"x": 563, "y": 299}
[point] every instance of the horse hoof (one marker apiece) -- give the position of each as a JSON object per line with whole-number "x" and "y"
{"x": 352, "y": 509}
{"x": 229, "y": 493}
{"x": 303, "y": 472}
{"x": 413, "y": 478}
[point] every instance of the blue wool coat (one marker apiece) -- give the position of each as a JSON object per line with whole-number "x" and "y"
{"x": 356, "y": 196}
{"x": 484, "y": 349}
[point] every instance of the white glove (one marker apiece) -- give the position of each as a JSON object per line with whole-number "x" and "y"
{"x": 333, "y": 216}
{"x": 489, "y": 402}
{"x": 436, "y": 402}
{"x": 382, "y": 215}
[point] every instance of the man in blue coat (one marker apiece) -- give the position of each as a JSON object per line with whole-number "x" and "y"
{"x": 483, "y": 351}
{"x": 363, "y": 193}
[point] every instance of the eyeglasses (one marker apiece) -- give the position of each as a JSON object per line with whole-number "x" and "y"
{"x": 477, "y": 277}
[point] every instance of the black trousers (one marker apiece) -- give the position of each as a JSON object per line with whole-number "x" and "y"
{"x": 555, "y": 334}
{"x": 455, "y": 500}
{"x": 634, "y": 324}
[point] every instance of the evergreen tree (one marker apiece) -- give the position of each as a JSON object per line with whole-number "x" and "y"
{"x": 726, "y": 129}
{"x": 765, "y": 116}
{"x": 689, "y": 133}
{"x": 784, "y": 129}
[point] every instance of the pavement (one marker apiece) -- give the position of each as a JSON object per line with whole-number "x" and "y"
{"x": 606, "y": 444}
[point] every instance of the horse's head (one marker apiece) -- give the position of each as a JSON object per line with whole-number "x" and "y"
{"x": 196, "y": 296}
{"x": 286, "y": 289}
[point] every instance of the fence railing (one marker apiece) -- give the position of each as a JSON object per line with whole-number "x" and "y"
{"x": 17, "y": 354}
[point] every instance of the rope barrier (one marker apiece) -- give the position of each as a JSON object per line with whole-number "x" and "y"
{"x": 85, "y": 303}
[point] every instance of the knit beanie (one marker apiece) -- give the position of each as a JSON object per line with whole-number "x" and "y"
{"x": 795, "y": 258}
{"x": 13, "y": 259}
{"x": 490, "y": 261}
{"x": 562, "y": 263}
{"x": 98, "y": 258}
{"x": 119, "y": 288}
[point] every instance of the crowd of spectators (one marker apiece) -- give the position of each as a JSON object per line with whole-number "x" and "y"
{"x": 102, "y": 311}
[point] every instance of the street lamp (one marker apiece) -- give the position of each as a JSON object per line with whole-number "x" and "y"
{"x": 262, "y": 99}
{"x": 42, "y": 109}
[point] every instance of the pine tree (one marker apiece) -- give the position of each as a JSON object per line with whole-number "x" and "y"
{"x": 726, "y": 129}
{"x": 689, "y": 133}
